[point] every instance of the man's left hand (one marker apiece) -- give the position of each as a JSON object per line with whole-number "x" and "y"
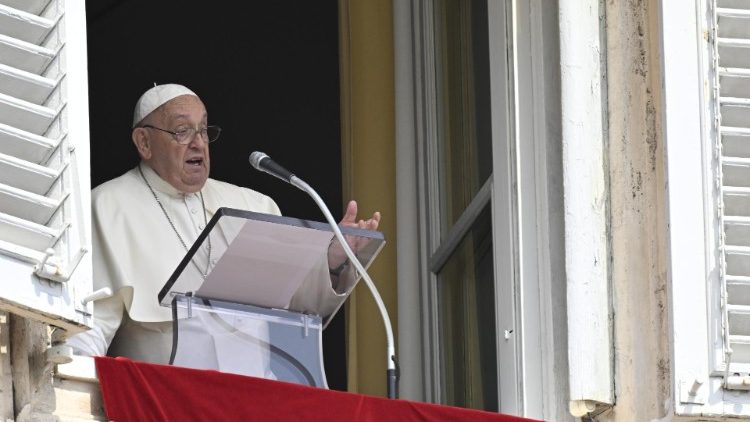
{"x": 336, "y": 254}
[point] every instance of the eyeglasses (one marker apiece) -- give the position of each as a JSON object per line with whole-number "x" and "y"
{"x": 186, "y": 135}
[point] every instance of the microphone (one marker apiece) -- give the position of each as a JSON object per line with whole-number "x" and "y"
{"x": 264, "y": 163}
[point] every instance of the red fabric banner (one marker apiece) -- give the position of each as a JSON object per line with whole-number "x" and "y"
{"x": 137, "y": 391}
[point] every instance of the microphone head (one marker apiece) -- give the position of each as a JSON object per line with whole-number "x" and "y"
{"x": 255, "y": 159}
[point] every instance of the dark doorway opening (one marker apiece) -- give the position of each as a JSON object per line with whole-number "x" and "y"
{"x": 269, "y": 76}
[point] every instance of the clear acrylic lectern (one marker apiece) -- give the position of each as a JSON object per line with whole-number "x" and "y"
{"x": 239, "y": 297}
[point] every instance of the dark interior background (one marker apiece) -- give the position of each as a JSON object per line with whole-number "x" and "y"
{"x": 268, "y": 76}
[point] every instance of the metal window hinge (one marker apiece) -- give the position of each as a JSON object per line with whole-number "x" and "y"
{"x": 102, "y": 293}
{"x": 45, "y": 269}
{"x": 693, "y": 392}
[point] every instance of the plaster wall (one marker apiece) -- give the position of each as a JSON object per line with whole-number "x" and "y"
{"x": 637, "y": 212}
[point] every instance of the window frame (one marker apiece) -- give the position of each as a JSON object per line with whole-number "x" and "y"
{"x": 530, "y": 383}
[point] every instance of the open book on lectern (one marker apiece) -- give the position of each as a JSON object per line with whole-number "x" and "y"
{"x": 262, "y": 260}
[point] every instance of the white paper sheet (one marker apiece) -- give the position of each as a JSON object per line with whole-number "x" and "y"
{"x": 266, "y": 263}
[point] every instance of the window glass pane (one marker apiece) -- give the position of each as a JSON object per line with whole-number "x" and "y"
{"x": 466, "y": 312}
{"x": 463, "y": 104}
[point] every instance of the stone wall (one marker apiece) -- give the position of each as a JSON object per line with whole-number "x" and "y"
{"x": 637, "y": 212}
{"x": 34, "y": 389}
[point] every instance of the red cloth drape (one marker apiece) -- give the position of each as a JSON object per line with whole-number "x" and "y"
{"x": 137, "y": 391}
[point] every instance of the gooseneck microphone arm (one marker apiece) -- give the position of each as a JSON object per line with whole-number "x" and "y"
{"x": 264, "y": 163}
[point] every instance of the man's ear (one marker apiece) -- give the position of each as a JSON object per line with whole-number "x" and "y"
{"x": 142, "y": 142}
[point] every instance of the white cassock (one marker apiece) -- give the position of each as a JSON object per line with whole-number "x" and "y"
{"x": 135, "y": 251}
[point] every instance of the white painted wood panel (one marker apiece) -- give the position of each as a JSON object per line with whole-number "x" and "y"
{"x": 45, "y": 235}
{"x": 31, "y": 6}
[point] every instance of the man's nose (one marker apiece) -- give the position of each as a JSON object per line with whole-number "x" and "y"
{"x": 198, "y": 140}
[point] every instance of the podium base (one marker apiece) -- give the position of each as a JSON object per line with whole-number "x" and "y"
{"x": 247, "y": 340}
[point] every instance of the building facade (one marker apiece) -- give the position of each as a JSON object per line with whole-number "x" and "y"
{"x": 566, "y": 183}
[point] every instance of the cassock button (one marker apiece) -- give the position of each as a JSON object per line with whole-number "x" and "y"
{"x": 194, "y": 211}
{"x": 200, "y": 227}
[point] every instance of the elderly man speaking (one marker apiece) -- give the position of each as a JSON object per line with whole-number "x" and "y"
{"x": 145, "y": 220}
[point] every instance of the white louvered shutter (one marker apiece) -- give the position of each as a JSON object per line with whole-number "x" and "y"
{"x": 45, "y": 258}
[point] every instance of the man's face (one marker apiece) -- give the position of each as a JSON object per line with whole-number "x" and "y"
{"x": 185, "y": 167}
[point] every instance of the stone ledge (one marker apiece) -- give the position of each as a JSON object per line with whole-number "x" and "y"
{"x": 82, "y": 368}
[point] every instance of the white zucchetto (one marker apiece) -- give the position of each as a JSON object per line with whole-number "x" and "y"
{"x": 156, "y": 97}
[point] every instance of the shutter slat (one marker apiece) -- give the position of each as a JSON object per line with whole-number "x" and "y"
{"x": 21, "y": 253}
{"x": 736, "y": 200}
{"x": 27, "y": 176}
{"x": 733, "y": 24}
{"x": 738, "y": 290}
{"x": 25, "y": 145}
{"x": 736, "y": 190}
{"x": 734, "y": 131}
{"x": 26, "y": 86}
{"x": 25, "y": 115}
{"x": 31, "y": 6}
{"x": 736, "y": 339}
{"x": 739, "y": 320}
{"x": 736, "y": 171}
{"x": 734, "y": 84}
{"x": 734, "y": 101}
{"x": 24, "y": 26}
{"x": 736, "y": 161}
{"x": 737, "y": 250}
{"x": 26, "y": 233}
{"x": 26, "y": 205}
{"x": 24, "y": 55}
{"x": 734, "y": 42}
{"x": 735, "y": 72}
{"x": 735, "y": 113}
{"x": 733, "y": 13}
